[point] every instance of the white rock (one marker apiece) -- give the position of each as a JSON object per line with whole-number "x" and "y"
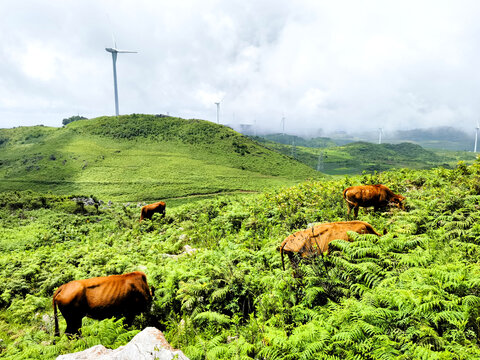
{"x": 149, "y": 344}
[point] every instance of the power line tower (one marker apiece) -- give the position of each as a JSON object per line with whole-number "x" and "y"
{"x": 320, "y": 162}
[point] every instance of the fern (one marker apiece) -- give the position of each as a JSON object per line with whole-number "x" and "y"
{"x": 211, "y": 317}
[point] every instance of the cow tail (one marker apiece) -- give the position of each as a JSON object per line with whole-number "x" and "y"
{"x": 372, "y": 230}
{"x": 345, "y": 197}
{"x": 281, "y": 255}
{"x": 55, "y": 316}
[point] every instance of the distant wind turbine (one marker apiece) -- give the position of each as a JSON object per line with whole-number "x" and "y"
{"x": 114, "y": 52}
{"x": 218, "y": 112}
{"x": 380, "y": 131}
{"x": 476, "y": 137}
{"x": 218, "y": 107}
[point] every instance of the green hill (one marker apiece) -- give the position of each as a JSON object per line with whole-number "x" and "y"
{"x": 318, "y": 142}
{"x": 140, "y": 157}
{"x": 356, "y": 157}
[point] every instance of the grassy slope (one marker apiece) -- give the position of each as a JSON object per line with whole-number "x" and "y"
{"x": 411, "y": 294}
{"x": 140, "y": 157}
{"x": 356, "y": 157}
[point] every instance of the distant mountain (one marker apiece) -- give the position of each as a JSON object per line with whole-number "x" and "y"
{"x": 444, "y": 133}
{"x": 318, "y": 142}
{"x": 355, "y": 157}
{"x": 141, "y": 157}
{"x": 445, "y": 137}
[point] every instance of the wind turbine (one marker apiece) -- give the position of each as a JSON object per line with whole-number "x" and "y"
{"x": 114, "y": 52}
{"x": 218, "y": 107}
{"x": 218, "y": 112}
{"x": 476, "y": 137}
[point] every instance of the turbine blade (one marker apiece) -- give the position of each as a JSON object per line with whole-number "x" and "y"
{"x": 114, "y": 42}
{"x": 127, "y": 51}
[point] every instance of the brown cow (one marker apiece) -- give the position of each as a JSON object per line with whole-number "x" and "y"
{"x": 377, "y": 196}
{"x": 315, "y": 240}
{"x": 148, "y": 210}
{"x": 100, "y": 298}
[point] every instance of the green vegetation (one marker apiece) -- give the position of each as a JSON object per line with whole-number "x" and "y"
{"x": 72, "y": 119}
{"x": 354, "y": 158}
{"x": 141, "y": 158}
{"x": 318, "y": 142}
{"x": 411, "y": 294}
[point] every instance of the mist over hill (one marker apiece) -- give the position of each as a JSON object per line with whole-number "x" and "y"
{"x": 442, "y": 137}
{"x": 359, "y": 156}
{"x": 315, "y": 142}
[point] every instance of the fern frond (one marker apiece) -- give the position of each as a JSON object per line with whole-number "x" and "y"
{"x": 212, "y": 317}
{"x": 219, "y": 294}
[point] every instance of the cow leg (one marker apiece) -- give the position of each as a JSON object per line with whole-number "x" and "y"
{"x": 355, "y": 211}
{"x": 74, "y": 323}
{"x": 129, "y": 319}
{"x": 294, "y": 261}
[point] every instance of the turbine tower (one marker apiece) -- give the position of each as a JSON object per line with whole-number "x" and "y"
{"x": 380, "y": 131}
{"x": 476, "y": 137}
{"x": 114, "y": 52}
{"x": 218, "y": 112}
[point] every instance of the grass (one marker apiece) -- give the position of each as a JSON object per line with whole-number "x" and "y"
{"x": 141, "y": 158}
{"x": 410, "y": 294}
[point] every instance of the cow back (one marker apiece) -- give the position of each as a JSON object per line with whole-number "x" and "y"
{"x": 317, "y": 238}
{"x": 107, "y": 296}
{"x": 150, "y": 209}
{"x": 368, "y": 195}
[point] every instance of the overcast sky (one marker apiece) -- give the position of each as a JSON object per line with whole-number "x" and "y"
{"x": 333, "y": 65}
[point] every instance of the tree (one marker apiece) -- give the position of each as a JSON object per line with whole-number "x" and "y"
{"x": 72, "y": 118}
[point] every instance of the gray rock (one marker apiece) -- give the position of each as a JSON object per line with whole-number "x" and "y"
{"x": 149, "y": 344}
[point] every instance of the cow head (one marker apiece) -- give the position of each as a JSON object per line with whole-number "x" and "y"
{"x": 397, "y": 200}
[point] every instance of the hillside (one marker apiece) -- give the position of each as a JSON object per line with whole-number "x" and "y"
{"x": 413, "y": 293}
{"x": 317, "y": 142}
{"x": 140, "y": 157}
{"x": 353, "y": 158}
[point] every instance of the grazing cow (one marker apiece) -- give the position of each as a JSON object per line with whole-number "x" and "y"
{"x": 100, "y": 298}
{"x": 148, "y": 210}
{"x": 377, "y": 196}
{"x": 315, "y": 240}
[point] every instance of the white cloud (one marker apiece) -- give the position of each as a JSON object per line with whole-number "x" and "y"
{"x": 343, "y": 64}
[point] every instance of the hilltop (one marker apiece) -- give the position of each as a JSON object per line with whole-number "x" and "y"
{"x": 141, "y": 157}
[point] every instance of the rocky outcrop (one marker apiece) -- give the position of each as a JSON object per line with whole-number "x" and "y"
{"x": 147, "y": 345}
